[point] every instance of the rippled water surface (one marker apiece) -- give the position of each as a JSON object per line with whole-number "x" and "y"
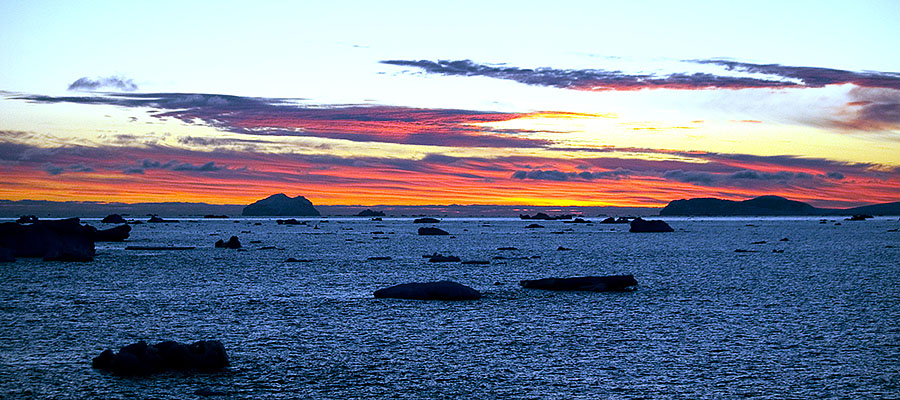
{"x": 820, "y": 320}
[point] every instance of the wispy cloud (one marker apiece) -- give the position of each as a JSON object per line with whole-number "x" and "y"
{"x": 754, "y": 76}
{"x": 54, "y": 169}
{"x": 172, "y": 165}
{"x": 278, "y": 117}
{"x": 561, "y": 176}
{"x": 112, "y": 82}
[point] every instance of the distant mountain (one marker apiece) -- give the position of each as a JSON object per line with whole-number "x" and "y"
{"x": 280, "y": 205}
{"x": 766, "y": 205}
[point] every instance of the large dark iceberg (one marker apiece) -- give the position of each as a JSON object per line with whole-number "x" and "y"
{"x": 116, "y": 234}
{"x": 280, "y": 205}
{"x": 56, "y": 240}
{"x": 443, "y": 290}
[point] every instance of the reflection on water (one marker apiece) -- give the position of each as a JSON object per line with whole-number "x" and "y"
{"x": 819, "y": 320}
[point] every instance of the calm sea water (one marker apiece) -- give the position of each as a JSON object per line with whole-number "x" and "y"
{"x": 820, "y": 320}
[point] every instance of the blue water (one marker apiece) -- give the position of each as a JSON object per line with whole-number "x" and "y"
{"x": 821, "y": 320}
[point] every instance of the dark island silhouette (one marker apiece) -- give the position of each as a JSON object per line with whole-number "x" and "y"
{"x": 766, "y": 206}
{"x": 370, "y": 213}
{"x": 280, "y": 205}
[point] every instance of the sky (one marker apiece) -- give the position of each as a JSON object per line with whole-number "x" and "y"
{"x": 515, "y": 103}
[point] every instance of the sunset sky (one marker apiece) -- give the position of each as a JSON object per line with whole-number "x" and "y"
{"x": 365, "y": 103}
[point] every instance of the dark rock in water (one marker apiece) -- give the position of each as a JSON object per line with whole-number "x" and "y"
{"x": 370, "y": 213}
{"x": 578, "y": 221}
{"x": 759, "y": 242}
{"x": 432, "y": 231}
{"x": 442, "y": 258}
{"x": 613, "y": 283}
{"x": 294, "y": 260}
{"x": 426, "y": 220}
{"x": 57, "y": 240}
{"x": 159, "y": 247}
{"x": 533, "y": 226}
{"x": 859, "y": 217}
{"x": 157, "y": 219}
{"x": 507, "y": 248}
{"x": 641, "y": 225}
{"x": 777, "y": 251}
{"x": 27, "y": 219}
{"x": 143, "y": 359}
{"x": 280, "y": 205}
{"x": 545, "y": 217}
{"x": 745, "y": 251}
{"x": 117, "y": 234}
{"x": 611, "y": 220}
{"x": 7, "y": 255}
{"x": 560, "y": 248}
{"x": 113, "y": 219}
{"x": 376, "y": 219}
{"x": 443, "y": 290}
{"x": 213, "y": 216}
{"x": 784, "y": 240}
{"x": 476, "y": 262}
{"x": 232, "y": 243}
{"x": 290, "y": 221}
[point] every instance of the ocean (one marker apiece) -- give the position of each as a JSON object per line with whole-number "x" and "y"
{"x": 819, "y": 320}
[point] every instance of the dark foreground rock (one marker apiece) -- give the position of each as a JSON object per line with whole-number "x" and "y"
{"x": 642, "y": 225}
{"x": 7, "y": 255}
{"x": 113, "y": 219}
{"x": 232, "y": 243}
{"x": 56, "y": 240}
{"x": 426, "y": 220}
{"x": 143, "y": 359}
{"x": 117, "y": 234}
{"x": 432, "y": 232}
{"x": 613, "y": 283}
{"x": 443, "y": 290}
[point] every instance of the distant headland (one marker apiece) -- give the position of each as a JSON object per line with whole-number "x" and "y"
{"x": 766, "y": 206}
